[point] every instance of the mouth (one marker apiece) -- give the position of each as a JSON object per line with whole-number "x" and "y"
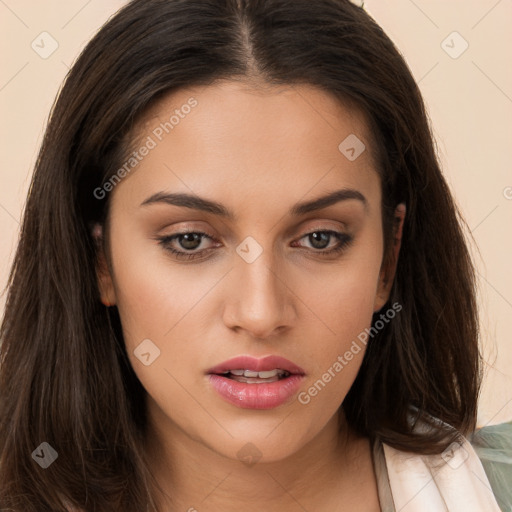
{"x": 252, "y": 383}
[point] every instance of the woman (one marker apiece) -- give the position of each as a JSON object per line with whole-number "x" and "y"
{"x": 242, "y": 280}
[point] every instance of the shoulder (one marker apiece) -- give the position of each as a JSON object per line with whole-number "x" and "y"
{"x": 493, "y": 445}
{"x": 472, "y": 474}
{"x": 453, "y": 480}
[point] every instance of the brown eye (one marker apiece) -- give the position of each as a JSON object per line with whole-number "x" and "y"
{"x": 184, "y": 245}
{"x": 320, "y": 239}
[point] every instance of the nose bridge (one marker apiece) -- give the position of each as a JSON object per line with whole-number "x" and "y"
{"x": 261, "y": 300}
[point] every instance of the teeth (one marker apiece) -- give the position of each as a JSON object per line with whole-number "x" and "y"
{"x": 270, "y": 373}
{"x": 261, "y": 375}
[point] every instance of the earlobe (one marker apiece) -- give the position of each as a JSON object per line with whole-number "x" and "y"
{"x": 104, "y": 278}
{"x": 388, "y": 270}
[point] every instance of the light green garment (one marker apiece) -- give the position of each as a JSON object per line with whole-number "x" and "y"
{"x": 492, "y": 444}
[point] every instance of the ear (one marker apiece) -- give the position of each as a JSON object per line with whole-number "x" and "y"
{"x": 388, "y": 269}
{"x": 103, "y": 274}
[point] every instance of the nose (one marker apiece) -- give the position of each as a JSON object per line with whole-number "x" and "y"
{"x": 261, "y": 302}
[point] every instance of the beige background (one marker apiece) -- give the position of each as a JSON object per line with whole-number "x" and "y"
{"x": 469, "y": 99}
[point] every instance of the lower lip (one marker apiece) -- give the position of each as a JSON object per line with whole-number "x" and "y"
{"x": 256, "y": 396}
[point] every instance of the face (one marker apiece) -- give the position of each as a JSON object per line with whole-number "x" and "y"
{"x": 257, "y": 268}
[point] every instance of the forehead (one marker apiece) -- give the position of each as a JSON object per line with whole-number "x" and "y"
{"x": 234, "y": 112}
{"x": 236, "y": 140}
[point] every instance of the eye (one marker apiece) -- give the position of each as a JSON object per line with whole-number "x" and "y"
{"x": 185, "y": 241}
{"x": 321, "y": 239}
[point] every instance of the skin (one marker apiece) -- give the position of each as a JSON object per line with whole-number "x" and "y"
{"x": 257, "y": 151}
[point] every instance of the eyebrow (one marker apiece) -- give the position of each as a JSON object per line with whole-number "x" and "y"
{"x": 206, "y": 205}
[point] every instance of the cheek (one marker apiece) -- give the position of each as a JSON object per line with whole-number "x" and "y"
{"x": 164, "y": 302}
{"x": 342, "y": 295}
{"x": 335, "y": 346}
{"x": 338, "y": 313}
{"x": 154, "y": 293}
{"x": 158, "y": 305}
{"x": 340, "y": 308}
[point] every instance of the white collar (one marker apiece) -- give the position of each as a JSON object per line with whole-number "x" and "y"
{"x": 454, "y": 481}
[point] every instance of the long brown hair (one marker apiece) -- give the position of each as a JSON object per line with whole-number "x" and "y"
{"x": 65, "y": 378}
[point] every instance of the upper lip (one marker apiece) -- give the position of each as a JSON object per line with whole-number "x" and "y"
{"x": 257, "y": 365}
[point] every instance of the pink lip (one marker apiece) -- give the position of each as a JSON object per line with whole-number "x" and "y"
{"x": 256, "y": 396}
{"x": 257, "y": 365}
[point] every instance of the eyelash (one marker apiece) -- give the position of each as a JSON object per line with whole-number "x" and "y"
{"x": 344, "y": 241}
